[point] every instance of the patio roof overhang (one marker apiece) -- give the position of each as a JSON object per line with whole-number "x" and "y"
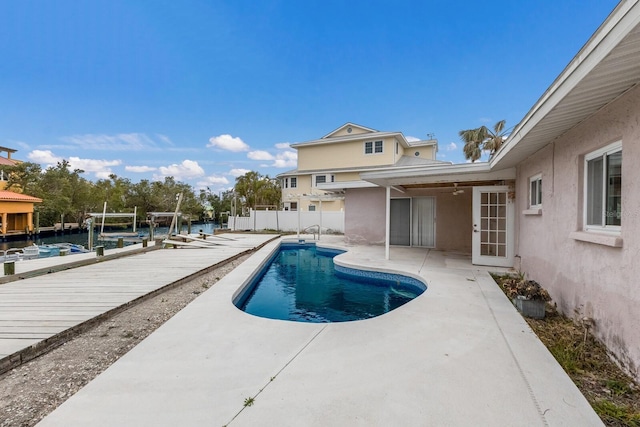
{"x": 343, "y": 185}
{"x": 604, "y": 69}
{"x": 467, "y": 174}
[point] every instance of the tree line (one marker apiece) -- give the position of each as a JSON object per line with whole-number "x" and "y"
{"x": 66, "y": 193}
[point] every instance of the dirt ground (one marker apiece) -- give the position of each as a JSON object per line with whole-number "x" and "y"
{"x": 31, "y": 391}
{"x": 613, "y": 394}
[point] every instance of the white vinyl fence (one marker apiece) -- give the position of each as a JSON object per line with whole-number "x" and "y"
{"x": 331, "y": 222}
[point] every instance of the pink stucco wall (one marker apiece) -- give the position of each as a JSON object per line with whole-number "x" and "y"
{"x": 365, "y": 217}
{"x": 587, "y": 279}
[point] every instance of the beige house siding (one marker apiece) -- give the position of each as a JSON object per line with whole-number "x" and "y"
{"x": 425, "y": 152}
{"x": 327, "y": 156}
{"x": 344, "y": 155}
{"x": 587, "y": 279}
{"x": 303, "y": 196}
{"x": 347, "y": 176}
{"x": 355, "y": 130}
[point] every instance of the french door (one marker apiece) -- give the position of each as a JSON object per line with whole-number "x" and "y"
{"x": 493, "y": 229}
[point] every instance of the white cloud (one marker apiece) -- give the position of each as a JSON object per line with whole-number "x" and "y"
{"x": 185, "y": 170}
{"x": 238, "y": 172}
{"x": 412, "y": 138}
{"x": 214, "y": 180}
{"x": 93, "y": 165}
{"x": 100, "y": 168}
{"x": 45, "y": 157}
{"x": 122, "y": 141}
{"x": 283, "y": 159}
{"x": 218, "y": 180}
{"x": 103, "y": 174}
{"x": 165, "y": 139}
{"x": 260, "y": 155}
{"x": 139, "y": 169}
{"x": 228, "y": 143}
{"x": 452, "y": 146}
{"x": 283, "y": 146}
{"x": 286, "y": 159}
{"x": 21, "y": 144}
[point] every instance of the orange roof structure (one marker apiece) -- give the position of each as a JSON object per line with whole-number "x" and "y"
{"x": 7, "y": 162}
{"x": 10, "y": 196}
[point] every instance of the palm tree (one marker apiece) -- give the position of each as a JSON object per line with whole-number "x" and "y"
{"x": 483, "y": 139}
{"x": 257, "y": 189}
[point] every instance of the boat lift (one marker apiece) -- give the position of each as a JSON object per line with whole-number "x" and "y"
{"x": 103, "y": 215}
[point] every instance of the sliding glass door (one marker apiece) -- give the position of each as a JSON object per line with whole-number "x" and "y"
{"x": 423, "y": 224}
{"x": 400, "y": 227}
{"x": 413, "y": 222}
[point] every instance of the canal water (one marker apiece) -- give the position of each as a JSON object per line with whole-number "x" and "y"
{"x": 82, "y": 237}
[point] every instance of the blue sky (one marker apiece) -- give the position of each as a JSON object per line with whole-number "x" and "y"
{"x": 206, "y": 90}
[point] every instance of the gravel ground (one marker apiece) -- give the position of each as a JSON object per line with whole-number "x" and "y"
{"x": 31, "y": 391}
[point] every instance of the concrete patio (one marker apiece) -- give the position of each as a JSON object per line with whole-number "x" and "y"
{"x": 459, "y": 354}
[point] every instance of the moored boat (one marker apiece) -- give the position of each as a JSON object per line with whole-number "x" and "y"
{"x": 30, "y": 252}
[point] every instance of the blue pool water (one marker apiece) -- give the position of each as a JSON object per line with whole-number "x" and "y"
{"x": 301, "y": 284}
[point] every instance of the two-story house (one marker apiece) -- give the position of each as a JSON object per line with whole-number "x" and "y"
{"x": 340, "y": 157}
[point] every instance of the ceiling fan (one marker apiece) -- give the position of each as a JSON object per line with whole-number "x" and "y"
{"x": 457, "y": 191}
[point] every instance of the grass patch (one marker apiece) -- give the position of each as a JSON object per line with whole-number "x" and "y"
{"x": 613, "y": 395}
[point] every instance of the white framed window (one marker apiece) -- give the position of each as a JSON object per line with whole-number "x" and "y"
{"x": 293, "y": 206}
{"x": 312, "y": 208}
{"x": 294, "y": 182}
{"x": 535, "y": 192}
{"x": 285, "y": 183}
{"x": 373, "y": 147}
{"x": 321, "y": 179}
{"x": 603, "y": 189}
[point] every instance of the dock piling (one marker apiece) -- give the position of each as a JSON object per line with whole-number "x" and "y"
{"x": 9, "y": 268}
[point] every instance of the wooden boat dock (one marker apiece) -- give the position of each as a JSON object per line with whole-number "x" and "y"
{"x": 39, "y": 313}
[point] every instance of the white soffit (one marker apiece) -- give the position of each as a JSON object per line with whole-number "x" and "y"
{"x": 466, "y": 172}
{"x": 605, "y": 68}
{"x": 343, "y": 185}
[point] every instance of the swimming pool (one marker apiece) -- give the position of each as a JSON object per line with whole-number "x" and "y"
{"x": 301, "y": 283}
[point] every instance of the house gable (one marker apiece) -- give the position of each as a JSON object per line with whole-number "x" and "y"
{"x": 349, "y": 129}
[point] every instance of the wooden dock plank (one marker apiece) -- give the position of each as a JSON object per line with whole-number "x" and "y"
{"x": 38, "y": 308}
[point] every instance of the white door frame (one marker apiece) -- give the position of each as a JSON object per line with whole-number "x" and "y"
{"x": 495, "y": 232}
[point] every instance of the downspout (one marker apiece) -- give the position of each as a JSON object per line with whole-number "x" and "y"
{"x": 387, "y": 222}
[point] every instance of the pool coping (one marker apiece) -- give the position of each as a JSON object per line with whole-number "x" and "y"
{"x": 248, "y": 287}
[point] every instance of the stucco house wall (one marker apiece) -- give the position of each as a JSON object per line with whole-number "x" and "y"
{"x": 365, "y": 217}
{"x": 454, "y": 221}
{"x": 587, "y": 279}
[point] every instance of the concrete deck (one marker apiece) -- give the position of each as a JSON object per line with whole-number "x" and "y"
{"x": 459, "y": 354}
{"x": 35, "y": 309}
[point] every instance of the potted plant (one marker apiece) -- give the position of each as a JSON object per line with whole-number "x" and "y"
{"x": 527, "y": 295}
